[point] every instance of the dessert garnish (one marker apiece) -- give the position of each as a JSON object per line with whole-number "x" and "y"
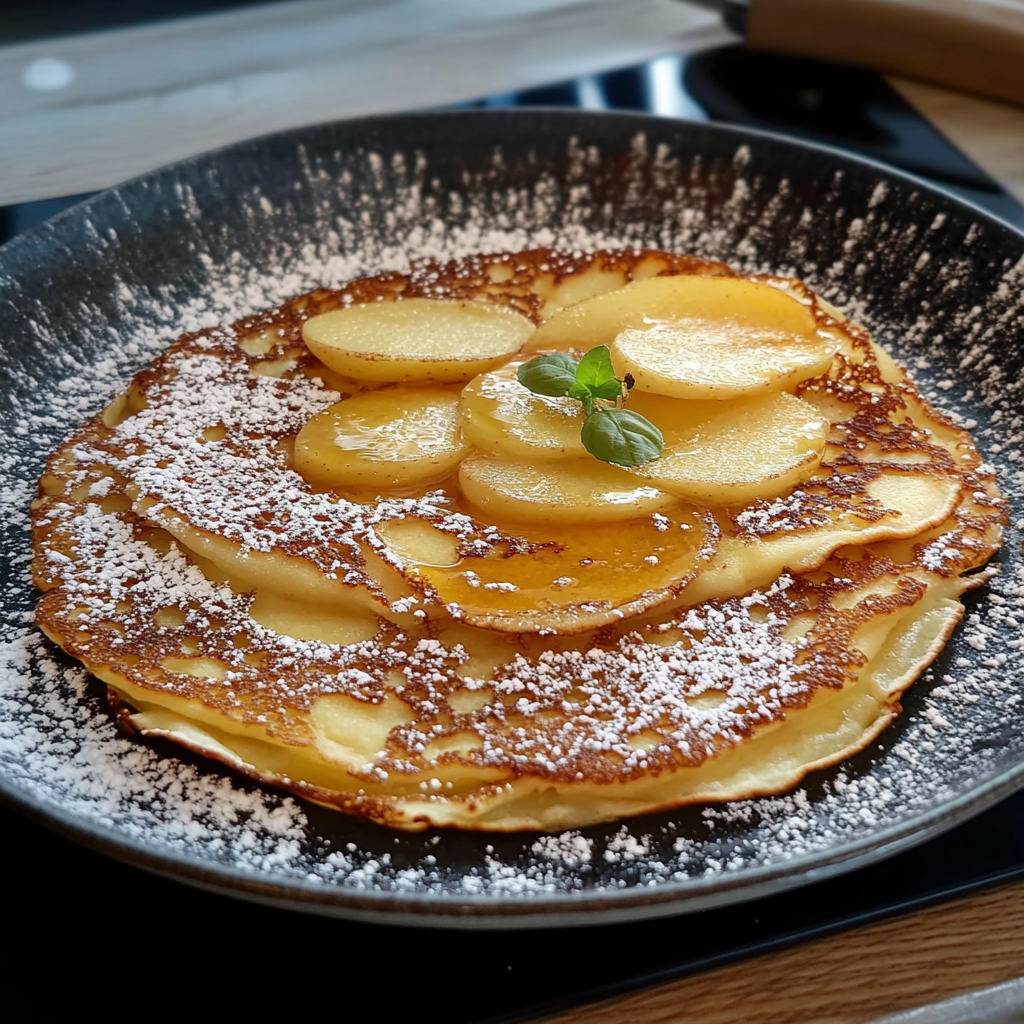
{"x": 610, "y": 433}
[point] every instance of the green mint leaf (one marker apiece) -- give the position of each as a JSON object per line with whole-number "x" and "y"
{"x": 552, "y": 375}
{"x": 596, "y": 373}
{"x": 617, "y": 436}
{"x": 621, "y": 437}
{"x": 610, "y": 389}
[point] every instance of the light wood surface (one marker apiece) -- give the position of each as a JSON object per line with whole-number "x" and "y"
{"x": 973, "y": 45}
{"x": 992, "y": 134}
{"x": 857, "y": 977}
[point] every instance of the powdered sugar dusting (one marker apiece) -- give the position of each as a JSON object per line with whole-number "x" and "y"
{"x": 945, "y": 293}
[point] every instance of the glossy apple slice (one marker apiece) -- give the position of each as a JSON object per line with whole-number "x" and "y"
{"x": 578, "y": 577}
{"x": 424, "y": 340}
{"x": 697, "y": 337}
{"x": 567, "y": 491}
{"x": 733, "y": 453}
{"x": 382, "y": 440}
{"x": 501, "y": 417}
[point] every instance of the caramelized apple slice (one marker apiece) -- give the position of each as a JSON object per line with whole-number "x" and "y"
{"x": 697, "y": 337}
{"x": 736, "y": 452}
{"x": 595, "y": 573}
{"x": 388, "y": 439}
{"x": 416, "y": 339}
{"x": 502, "y": 417}
{"x": 571, "y": 491}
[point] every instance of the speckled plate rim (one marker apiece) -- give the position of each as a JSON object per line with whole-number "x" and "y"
{"x": 541, "y": 910}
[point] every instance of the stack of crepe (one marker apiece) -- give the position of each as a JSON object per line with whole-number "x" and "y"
{"x": 339, "y": 547}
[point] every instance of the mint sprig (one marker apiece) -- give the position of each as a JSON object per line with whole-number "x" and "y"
{"x": 596, "y": 376}
{"x": 611, "y": 433}
{"x": 551, "y": 375}
{"x": 621, "y": 437}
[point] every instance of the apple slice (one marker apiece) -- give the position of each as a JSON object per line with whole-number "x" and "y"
{"x": 384, "y": 440}
{"x": 571, "y": 491}
{"x": 697, "y": 337}
{"x": 732, "y": 453}
{"x": 416, "y": 339}
{"x": 579, "y": 577}
{"x": 501, "y": 417}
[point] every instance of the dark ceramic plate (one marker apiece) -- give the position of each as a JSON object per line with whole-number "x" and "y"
{"x": 88, "y": 298}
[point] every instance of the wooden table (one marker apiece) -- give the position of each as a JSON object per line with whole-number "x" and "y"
{"x": 868, "y": 974}
{"x": 991, "y": 134}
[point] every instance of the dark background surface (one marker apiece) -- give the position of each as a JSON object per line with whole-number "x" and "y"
{"x": 87, "y": 936}
{"x": 26, "y": 21}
